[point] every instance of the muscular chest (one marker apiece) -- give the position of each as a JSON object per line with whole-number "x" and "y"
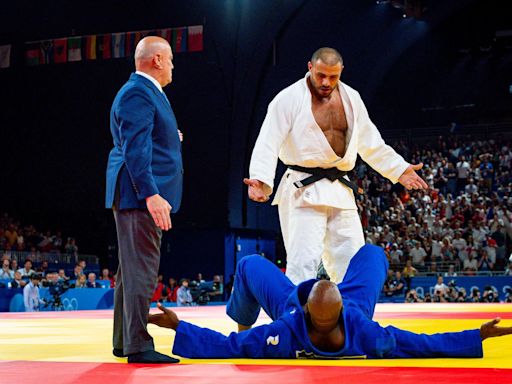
{"x": 330, "y": 117}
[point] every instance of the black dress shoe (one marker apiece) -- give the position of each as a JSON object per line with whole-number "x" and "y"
{"x": 118, "y": 352}
{"x": 151, "y": 357}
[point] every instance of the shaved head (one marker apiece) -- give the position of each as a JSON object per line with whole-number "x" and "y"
{"x": 324, "y": 305}
{"x": 153, "y": 55}
{"x": 327, "y": 55}
{"x": 148, "y": 47}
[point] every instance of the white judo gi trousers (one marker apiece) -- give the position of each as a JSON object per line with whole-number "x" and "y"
{"x": 318, "y": 233}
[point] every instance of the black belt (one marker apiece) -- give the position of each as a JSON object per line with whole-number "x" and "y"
{"x": 323, "y": 173}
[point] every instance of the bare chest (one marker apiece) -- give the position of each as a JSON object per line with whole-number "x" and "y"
{"x": 330, "y": 117}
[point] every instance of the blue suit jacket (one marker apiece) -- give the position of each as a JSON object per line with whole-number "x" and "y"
{"x": 146, "y": 158}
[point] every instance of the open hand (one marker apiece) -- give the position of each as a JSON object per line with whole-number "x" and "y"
{"x": 256, "y": 192}
{"x": 166, "y": 319}
{"x": 491, "y": 330}
{"x": 160, "y": 211}
{"x": 410, "y": 178}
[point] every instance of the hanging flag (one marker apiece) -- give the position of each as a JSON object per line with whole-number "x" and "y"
{"x": 138, "y": 37}
{"x": 179, "y": 39}
{"x": 46, "y": 47}
{"x": 60, "y": 50}
{"x": 165, "y": 33}
{"x": 106, "y": 45}
{"x": 5, "y": 56}
{"x": 129, "y": 48}
{"x": 195, "y": 38}
{"x": 118, "y": 44}
{"x": 32, "y": 53}
{"x": 146, "y": 33}
{"x": 90, "y": 47}
{"x": 74, "y": 49}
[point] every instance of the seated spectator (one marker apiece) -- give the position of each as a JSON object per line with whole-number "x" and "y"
{"x": 184, "y": 297}
{"x": 17, "y": 281}
{"x": 77, "y": 272}
{"x": 81, "y": 282}
{"x": 83, "y": 264}
{"x": 217, "y": 292}
{"x": 6, "y": 273}
{"x": 160, "y": 291}
{"x": 91, "y": 281}
{"x": 106, "y": 275}
{"x": 62, "y": 275}
{"x": 508, "y": 271}
{"x": 43, "y": 268}
{"x": 172, "y": 290}
{"x": 394, "y": 284}
{"x": 27, "y": 269}
{"x": 31, "y": 298}
{"x": 14, "y": 265}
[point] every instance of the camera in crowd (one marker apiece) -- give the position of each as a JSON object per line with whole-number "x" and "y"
{"x": 56, "y": 290}
{"x": 199, "y": 293}
{"x": 508, "y": 297}
{"x": 490, "y": 295}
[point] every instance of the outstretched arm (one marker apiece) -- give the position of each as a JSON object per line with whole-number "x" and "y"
{"x": 450, "y": 344}
{"x": 491, "y": 330}
{"x": 410, "y": 179}
{"x": 266, "y": 341}
{"x": 166, "y": 319}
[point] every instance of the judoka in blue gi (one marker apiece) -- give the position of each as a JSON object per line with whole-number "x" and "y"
{"x": 316, "y": 319}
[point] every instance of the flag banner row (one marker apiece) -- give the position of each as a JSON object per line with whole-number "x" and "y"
{"x": 106, "y": 46}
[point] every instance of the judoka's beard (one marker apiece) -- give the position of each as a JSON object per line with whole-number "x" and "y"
{"x": 320, "y": 91}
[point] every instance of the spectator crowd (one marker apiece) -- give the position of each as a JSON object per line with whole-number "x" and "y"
{"x": 462, "y": 223}
{"x": 460, "y": 226}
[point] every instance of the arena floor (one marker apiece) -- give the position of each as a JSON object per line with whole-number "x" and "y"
{"x": 75, "y": 347}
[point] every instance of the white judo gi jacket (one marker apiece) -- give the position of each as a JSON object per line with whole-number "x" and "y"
{"x": 290, "y": 132}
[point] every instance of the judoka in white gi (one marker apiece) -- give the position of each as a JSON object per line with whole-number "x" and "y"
{"x": 320, "y": 122}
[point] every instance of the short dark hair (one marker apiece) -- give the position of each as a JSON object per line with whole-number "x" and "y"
{"x": 35, "y": 276}
{"x": 329, "y": 56}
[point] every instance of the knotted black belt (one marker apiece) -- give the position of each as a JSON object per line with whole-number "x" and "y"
{"x": 323, "y": 173}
